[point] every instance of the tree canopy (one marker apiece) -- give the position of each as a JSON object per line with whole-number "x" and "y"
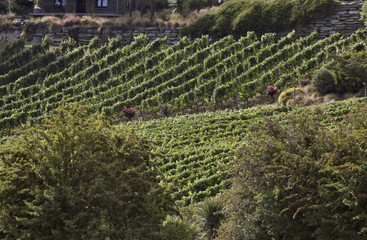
{"x": 77, "y": 177}
{"x": 300, "y": 178}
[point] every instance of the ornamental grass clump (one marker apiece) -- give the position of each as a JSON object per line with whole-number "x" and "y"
{"x": 288, "y": 94}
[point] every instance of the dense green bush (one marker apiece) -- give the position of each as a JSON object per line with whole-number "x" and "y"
{"x": 186, "y": 5}
{"x": 364, "y": 13}
{"x": 350, "y": 72}
{"x": 176, "y": 228}
{"x": 239, "y": 16}
{"x": 200, "y": 27}
{"x": 299, "y": 179}
{"x": 323, "y": 81}
{"x": 77, "y": 177}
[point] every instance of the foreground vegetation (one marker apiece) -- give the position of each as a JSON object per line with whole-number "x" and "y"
{"x": 301, "y": 176}
{"x": 300, "y": 167}
{"x": 77, "y": 177}
{"x": 280, "y": 171}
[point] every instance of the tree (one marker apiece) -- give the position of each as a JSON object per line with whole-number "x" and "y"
{"x": 351, "y": 72}
{"x": 151, "y": 4}
{"x": 296, "y": 178}
{"x": 77, "y": 177}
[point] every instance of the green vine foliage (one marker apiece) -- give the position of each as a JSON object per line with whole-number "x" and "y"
{"x": 296, "y": 178}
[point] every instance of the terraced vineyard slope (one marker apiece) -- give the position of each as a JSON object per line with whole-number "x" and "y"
{"x": 144, "y": 75}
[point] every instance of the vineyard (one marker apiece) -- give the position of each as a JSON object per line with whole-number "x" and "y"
{"x": 198, "y": 148}
{"x": 144, "y": 75}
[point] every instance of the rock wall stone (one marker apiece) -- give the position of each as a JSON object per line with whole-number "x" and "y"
{"x": 10, "y": 34}
{"x": 345, "y": 21}
{"x": 83, "y": 35}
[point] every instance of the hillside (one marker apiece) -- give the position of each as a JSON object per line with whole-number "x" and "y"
{"x": 188, "y": 158}
{"x": 145, "y": 75}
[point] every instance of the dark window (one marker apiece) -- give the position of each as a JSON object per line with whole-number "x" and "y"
{"x": 59, "y": 3}
{"x": 101, "y": 3}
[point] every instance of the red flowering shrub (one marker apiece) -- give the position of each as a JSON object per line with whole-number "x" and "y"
{"x": 270, "y": 91}
{"x": 128, "y": 112}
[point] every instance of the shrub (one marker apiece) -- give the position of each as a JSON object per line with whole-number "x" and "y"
{"x": 323, "y": 81}
{"x": 288, "y": 94}
{"x": 300, "y": 180}
{"x": 128, "y": 112}
{"x": 271, "y": 91}
{"x": 77, "y": 177}
{"x": 210, "y": 215}
{"x": 175, "y": 228}
{"x": 364, "y": 13}
{"x": 201, "y": 27}
{"x": 185, "y": 5}
{"x": 350, "y": 72}
{"x": 239, "y": 16}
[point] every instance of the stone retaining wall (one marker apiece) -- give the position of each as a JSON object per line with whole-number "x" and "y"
{"x": 345, "y": 21}
{"x": 83, "y": 34}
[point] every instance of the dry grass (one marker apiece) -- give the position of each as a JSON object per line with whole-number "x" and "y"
{"x": 310, "y": 97}
{"x": 70, "y": 20}
{"x": 183, "y": 20}
{"x": 315, "y": 95}
{"x": 46, "y": 19}
{"x": 307, "y": 101}
{"x": 165, "y": 18}
{"x": 6, "y": 20}
{"x": 331, "y": 97}
{"x": 89, "y": 20}
{"x": 308, "y": 89}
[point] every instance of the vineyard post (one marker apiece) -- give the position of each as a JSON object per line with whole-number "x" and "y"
{"x": 294, "y": 91}
{"x": 144, "y": 71}
{"x": 215, "y": 103}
